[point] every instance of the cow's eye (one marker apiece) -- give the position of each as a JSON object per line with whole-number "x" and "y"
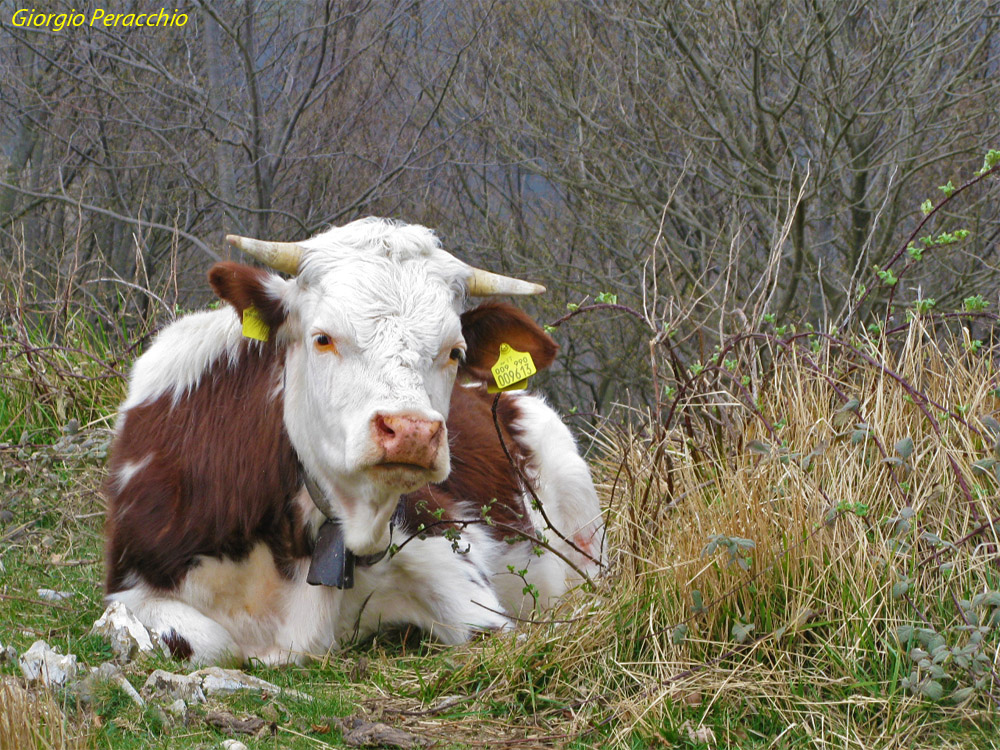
{"x": 457, "y": 354}
{"x": 324, "y": 343}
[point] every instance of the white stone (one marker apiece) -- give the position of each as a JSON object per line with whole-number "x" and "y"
{"x": 232, "y": 745}
{"x": 219, "y": 681}
{"x": 178, "y": 708}
{"x": 123, "y": 630}
{"x": 211, "y": 681}
{"x": 50, "y": 595}
{"x": 177, "y": 686}
{"x": 41, "y": 663}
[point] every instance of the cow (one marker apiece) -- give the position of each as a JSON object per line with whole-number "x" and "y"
{"x": 319, "y": 458}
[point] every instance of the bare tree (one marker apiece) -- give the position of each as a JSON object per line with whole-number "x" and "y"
{"x": 772, "y": 153}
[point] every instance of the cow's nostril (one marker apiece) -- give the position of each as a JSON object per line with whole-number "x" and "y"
{"x": 383, "y": 427}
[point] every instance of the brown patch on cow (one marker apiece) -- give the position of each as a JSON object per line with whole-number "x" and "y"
{"x": 221, "y": 476}
{"x": 242, "y": 287}
{"x": 491, "y": 324}
{"x": 218, "y": 474}
{"x": 177, "y": 644}
{"x": 481, "y": 475}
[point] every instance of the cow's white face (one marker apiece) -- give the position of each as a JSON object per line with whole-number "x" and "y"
{"x": 373, "y": 337}
{"x": 374, "y": 346}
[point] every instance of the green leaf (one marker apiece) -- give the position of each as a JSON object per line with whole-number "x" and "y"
{"x": 991, "y": 424}
{"x": 905, "y": 448}
{"x": 991, "y": 160}
{"x": 983, "y": 466}
{"x": 937, "y": 671}
{"x": 679, "y": 634}
{"x": 846, "y": 413}
{"x": 935, "y": 641}
{"x": 991, "y": 599}
{"x": 899, "y": 589}
{"x": 888, "y": 278}
{"x": 759, "y": 447}
{"x": 975, "y": 304}
{"x": 933, "y": 690}
{"x": 741, "y": 631}
{"x": 962, "y": 694}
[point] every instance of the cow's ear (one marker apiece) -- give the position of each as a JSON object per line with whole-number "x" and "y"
{"x": 491, "y": 324}
{"x": 245, "y": 286}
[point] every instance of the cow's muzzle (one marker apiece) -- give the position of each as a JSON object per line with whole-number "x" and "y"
{"x": 407, "y": 440}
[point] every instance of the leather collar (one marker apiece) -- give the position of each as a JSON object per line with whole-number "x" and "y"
{"x": 332, "y": 562}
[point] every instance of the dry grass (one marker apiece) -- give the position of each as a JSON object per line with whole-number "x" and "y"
{"x": 798, "y": 644}
{"x": 34, "y": 720}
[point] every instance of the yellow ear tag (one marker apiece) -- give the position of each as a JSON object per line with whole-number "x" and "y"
{"x": 254, "y": 326}
{"x": 512, "y": 370}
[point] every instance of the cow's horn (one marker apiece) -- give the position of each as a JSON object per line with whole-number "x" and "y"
{"x": 281, "y": 256}
{"x": 483, "y": 284}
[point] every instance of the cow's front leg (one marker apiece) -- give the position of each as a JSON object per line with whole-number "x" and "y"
{"x": 188, "y": 633}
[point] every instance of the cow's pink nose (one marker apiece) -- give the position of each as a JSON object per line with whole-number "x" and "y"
{"x": 406, "y": 439}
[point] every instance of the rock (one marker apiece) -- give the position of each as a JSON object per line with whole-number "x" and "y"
{"x": 44, "y": 665}
{"x": 360, "y": 733}
{"x": 219, "y": 681}
{"x": 209, "y": 682}
{"x": 110, "y": 673}
{"x": 232, "y": 745}
{"x": 228, "y": 723}
{"x": 163, "y": 684}
{"x": 7, "y": 653}
{"x": 128, "y": 636}
{"x": 49, "y": 595}
{"x": 177, "y": 709}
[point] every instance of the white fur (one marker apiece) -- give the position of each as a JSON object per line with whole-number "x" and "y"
{"x": 562, "y": 482}
{"x": 444, "y": 592}
{"x": 128, "y": 470}
{"x": 182, "y": 353}
{"x": 239, "y": 611}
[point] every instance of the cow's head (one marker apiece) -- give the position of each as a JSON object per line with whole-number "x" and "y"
{"x": 374, "y": 336}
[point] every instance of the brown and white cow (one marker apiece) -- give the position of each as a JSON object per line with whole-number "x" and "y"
{"x": 233, "y": 456}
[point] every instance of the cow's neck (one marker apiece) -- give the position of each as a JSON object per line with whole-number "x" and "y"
{"x": 333, "y": 563}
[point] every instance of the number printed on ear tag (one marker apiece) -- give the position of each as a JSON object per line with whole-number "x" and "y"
{"x": 512, "y": 370}
{"x": 254, "y": 326}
